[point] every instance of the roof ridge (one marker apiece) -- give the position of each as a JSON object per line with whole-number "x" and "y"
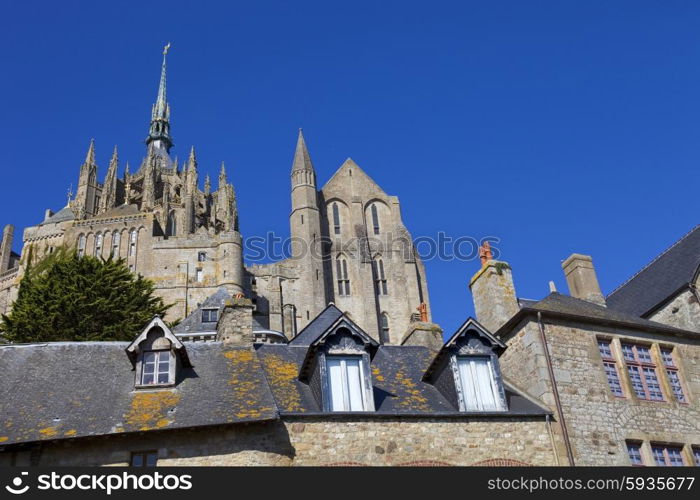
{"x": 654, "y": 260}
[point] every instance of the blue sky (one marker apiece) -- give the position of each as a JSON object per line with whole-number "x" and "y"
{"x": 557, "y": 127}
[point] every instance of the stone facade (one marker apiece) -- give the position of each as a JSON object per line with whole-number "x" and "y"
{"x": 682, "y": 311}
{"x": 315, "y": 441}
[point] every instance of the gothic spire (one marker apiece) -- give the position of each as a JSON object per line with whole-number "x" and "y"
{"x": 159, "y": 133}
{"x": 109, "y": 189}
{"x": 90, "y": 156}
{"x": 222, "y": 175}
{"x": 302, "y": 159}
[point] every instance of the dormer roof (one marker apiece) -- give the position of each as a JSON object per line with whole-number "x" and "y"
{"x": 132, "y": 350}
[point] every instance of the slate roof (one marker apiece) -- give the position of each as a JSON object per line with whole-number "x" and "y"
{"x": 49, "y": 391}
{"x": 65, "y": 214}
{"x": 318, "y": 326}
{"x": 397, "y": 373}
{"x": 193, "y": 322}
{"x": 661, "y": 279}
{"x": 563, "y": 305}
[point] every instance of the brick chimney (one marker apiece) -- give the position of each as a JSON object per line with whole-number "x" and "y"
{"x": 581, "y": 278}
{"x": 493, "y": 291}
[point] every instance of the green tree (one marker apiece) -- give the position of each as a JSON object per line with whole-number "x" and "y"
{"x": 64, "y": 297}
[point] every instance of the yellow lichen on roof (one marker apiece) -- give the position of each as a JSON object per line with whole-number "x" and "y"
{"x": 282, "y": 376}
{"x": 4, "y": 438}
{"x": 48, "y": 432}
{"x": 377, "y": 374}
{"x": 149, "y": 410}
{"x": 244, "y": 388}
{"x": 413, "y": 398}
{"x": 70, "y": 432}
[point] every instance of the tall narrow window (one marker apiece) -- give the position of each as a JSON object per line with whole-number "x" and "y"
{"x": 336, "y": 219}
{"x": 199, "y": 275}
{"x": 81, "y": 245}
{"x": 98, "y": 244}
{"x": 642, "y": 372}
{"x": 479, "y": 389}
{"x": 610, "y": 366}
{"x": 634, "y": 451}
{"x": 673, "y": 377}
{"x": 346, "y": 383}
{"x": 172, "y": 224}
{"x": 133, "y": 238}
{"x": 380, "y": 287}
{"x": 375, "y": 218}
{"x": 156, "y": 368}
{"x": 385, "y": 328}
{"x": 667, "y": 456}
{"x": 341, "y": 267}
{"x": 696, "y": 455}
{"x": 116, "y": 240}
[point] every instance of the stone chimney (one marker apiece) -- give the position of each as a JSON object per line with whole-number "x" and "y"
{"x": 423, "y": 332}
{"x": 493, "y": 291}
{"x": 6, "y": 247}
{"x": 581, "y": 278}
{"x": 235, "y": 326}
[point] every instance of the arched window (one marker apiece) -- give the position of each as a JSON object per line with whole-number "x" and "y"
{"x": 116, "y": 240}
{"x": 375, "y": 218}
{"x": 81, "y": 245}
{"x": 98, "y": 244}
{"x": 341, "y": 267}
{"x": 133, "y": 238}
{"x": 380, "y": 286}
{"x": 336, "y": 219}
{"x": 172, "y": 224}
{"x": 384, "y": 334}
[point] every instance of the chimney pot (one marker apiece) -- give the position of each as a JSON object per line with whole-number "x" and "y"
{"x": 581, "y": 278}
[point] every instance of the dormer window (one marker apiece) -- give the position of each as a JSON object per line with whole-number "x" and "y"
{"x": 346, "y": 383}
{"x": 480, "y": 390}
{"x": 156, "y": 368}
{"x": 210, "y": 315}
{"x": 157, "y": 356}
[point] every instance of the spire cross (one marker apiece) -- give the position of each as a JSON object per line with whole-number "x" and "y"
{"x": 69, "y": 194}
{"x": 165, "y": 49}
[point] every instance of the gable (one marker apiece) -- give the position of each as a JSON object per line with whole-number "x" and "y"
{"x": 350, "y": 177}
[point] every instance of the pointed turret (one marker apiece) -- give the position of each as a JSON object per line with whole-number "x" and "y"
{"x": 207, "y": 185}
{"x": 90, "y": 156}
{"x": 222, "y": 175}
{"x": 85, "y": 204}
{"x": 159, "y": 132}
{"x": 302, "y": 169}
{"x": 109, "y": 190}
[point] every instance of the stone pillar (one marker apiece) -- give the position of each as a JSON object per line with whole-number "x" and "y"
{"x": 235, "y": 326}
{"x": 581, "y": 278}
{"x": 493, "y": 293}
{"x": 423, "y": 334}
{"x": 6, "y": 247}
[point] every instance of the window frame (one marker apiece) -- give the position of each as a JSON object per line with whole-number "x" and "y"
{"x": 610, "y": 363}
{"x": 380, "y": 281}
{"x": 210, "y": 310}
{"x": 664, "y": 448}
{"x": 336, "y": 218}
{"x": 495, "y": 383}
{"x": 637, "y": 445}
{"x": 343, "y": 279}
{"x": 156, "y": 368}
{"x": 144, "y": 457}
{"x": 363, "y": 388}
{"x": 673, "y": 372}
{"x": 375, "y": 218}
{"x": 640, "y": 366}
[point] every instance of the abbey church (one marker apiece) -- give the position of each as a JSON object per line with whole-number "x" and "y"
{"x": 332, "y": 357}
{"x": 349, "y": 244}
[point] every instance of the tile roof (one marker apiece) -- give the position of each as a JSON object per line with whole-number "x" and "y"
{"x": 661, "y": 279}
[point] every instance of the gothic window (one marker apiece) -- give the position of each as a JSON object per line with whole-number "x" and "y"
{"x": 133, "y": 239}
{"x": 116, "y": 239}
{"x": 480, "y": 391}
{"x": 144, "y": 458}
{"x": 336, "y": 219}
{"x": 642, "y": 372}
{"x": 385, "y": 328}
{"x": 380, "y": 287}
{"x": 634, "y": 451}
{"x": 341, "y": 267}
{"x": 201, "y": 256}
{"x": 667, "y": 456}
{"x": 673, "y": 377}
{"x": 375, "y": 218}
{"x": 81, "y": 245}
{"x": 346, "y": 383}
{"x": 98, "y": 244}
{"x": 97, "y": 203}
{"x": 610, "y": 366}
{"x": 172, "y": 224}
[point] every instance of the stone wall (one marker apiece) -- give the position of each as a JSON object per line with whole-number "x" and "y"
{"x": 598, "y": 422}
{"x": 683, "y": 311}
{"x": 316, "y": 441}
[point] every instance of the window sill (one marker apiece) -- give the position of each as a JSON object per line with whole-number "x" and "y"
{"x": 142, "y": 387}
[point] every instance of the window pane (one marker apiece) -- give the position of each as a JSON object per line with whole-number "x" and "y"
{"x": 478, "y": 384}
{"x": 628, "y": 352}
{"x": 604, "y": 348}
{"x": 354, "y": 379}
{"x": 613, "y": 379}
{"x": 675, "y": 457}
{"x": 643, "y": 354}
{"x": 163, "y": 378}
{"x": 149, "y": 367}
{"x": 335, "y": 384}
{"x": 148, "y": 378}
{"x": 675, "y": 381}
{"x": 635, "y": 453}
{"x": 636, "y": 379}
{"x": 659, "y": 458}
{"x": 667, "y": 356}
{"x": 653, "y": 384}
{"x": 151, "y": 459}
{"x": 149, "y": 357}
{"x": 137, "y": 460}
{"x": 696, "y": 454}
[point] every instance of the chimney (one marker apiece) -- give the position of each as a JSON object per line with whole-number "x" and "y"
{"x": 581, "y": 278}
{"x": 422, "y": 332}
{"x": 6, "y": 247}
{"x": 235, "y": 327}
{"x": 493, "y": 291}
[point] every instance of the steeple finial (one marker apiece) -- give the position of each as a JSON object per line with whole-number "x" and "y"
{"x": 192, "y": 160}
{"x": 159, "y": 132}
{"x": 222, "y": 173}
